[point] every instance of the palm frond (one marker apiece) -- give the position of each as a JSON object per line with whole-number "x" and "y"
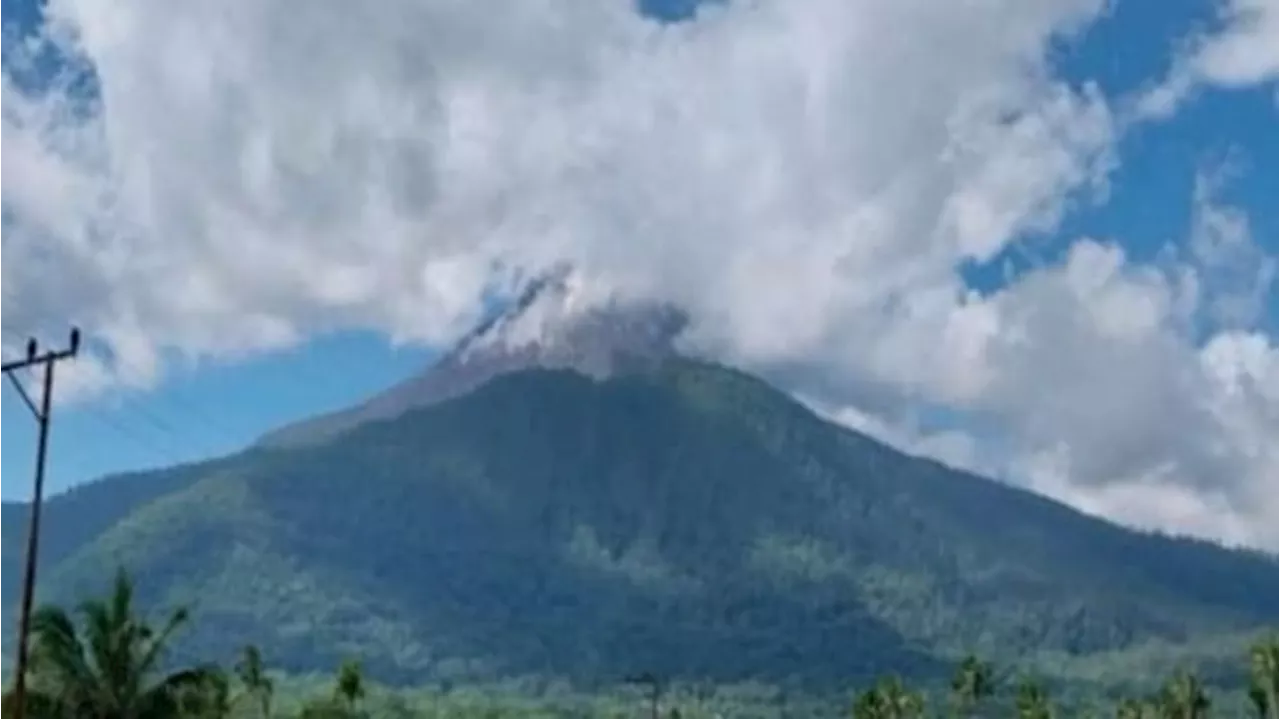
{"x": 59, "y": 654}
{"x": 155, "y": 644}
{"x": 101, "y": 636}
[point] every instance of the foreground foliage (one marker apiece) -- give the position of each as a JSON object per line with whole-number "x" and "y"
{"x": 111, "y": 665}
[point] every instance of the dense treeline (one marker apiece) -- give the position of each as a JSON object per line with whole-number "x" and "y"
{"x": 691, "y": 521}
{"x": 106, "y": 661}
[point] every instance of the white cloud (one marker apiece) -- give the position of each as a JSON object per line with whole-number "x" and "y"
{"x": 1234, "y": 272}
{"x": 804, "y": 177}
{"x": 1245, "y": 51}
{"x": 248, "y": 162}
{"x": 1089, "y": 376}
{"x": 1242, "y": 50}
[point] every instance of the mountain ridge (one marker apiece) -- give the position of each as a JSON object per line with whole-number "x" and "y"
{"x": 539, "y": 520}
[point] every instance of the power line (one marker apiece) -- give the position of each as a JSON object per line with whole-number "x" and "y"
{"x": 43, "y": 416}
{"x": 157, "y": 420}
{"x": 139, "y": 439}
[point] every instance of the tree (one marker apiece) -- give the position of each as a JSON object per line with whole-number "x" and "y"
{"x": 972, "y": 682}
{"x": 889, "y": 699}
{"x": 868, "y": 705}
{"x": 1258, "y": 700}
{"x": 349, "y": 689}
{"x": 109, "y": 668}
{"x": 1263, "y": 677}
{"x": 212, "y": 700}
{"x": 252, "y": 675}
{"x": 1183, "y": 697}
{"x": 1032, "y": 701}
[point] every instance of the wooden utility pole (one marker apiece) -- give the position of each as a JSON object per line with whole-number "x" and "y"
{"x": 655, "y": 689}
{"x": 48, "y": 361}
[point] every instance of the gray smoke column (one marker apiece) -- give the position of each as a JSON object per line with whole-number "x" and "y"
{"x": 553, "y": 324}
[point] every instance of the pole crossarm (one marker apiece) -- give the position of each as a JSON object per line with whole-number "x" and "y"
{"x": 41, "y": 359}
{"x": 48, "y": 360}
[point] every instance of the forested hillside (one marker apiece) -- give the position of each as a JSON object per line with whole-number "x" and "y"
{"x": 690, "y": 521}
{"x": 128, "y": 676}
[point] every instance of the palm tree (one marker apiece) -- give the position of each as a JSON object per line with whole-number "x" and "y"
{"x": 1183, "y": 697}
{"x": 350, "y": 685}
{"x": 109, "y": 668}
{"x": 1263, "y": 677}
{"x": 868, "y": 705}
{"x": 889, "y": 699}
{"x": 252, "y": 675}
{"x": 973, "y": 682}
{"x": 902, "y": 702}
{"x": 1032, "y": 701}
{"x": 348, "y": 690}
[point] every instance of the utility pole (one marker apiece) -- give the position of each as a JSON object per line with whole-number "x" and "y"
{"x": 655, "y": 689}
{"x": 42, "y": 414}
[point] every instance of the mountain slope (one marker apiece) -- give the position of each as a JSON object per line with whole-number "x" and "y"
{"x": 549, "y": 326}
{"x": 82, "y": 513}
{"x": 685, "y": 519}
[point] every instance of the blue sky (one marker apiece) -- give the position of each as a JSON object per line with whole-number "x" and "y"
{"x": 202, "y": 412}
{"x": 216, "y": 405}
{"x": 1148, "y": 204}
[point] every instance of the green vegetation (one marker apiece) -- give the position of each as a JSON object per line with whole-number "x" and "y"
{"x": 109, "y": 667}
{"x": 549, "y": 530}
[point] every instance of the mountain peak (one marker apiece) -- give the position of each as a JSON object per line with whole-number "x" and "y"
{"x": 554, "y": 324}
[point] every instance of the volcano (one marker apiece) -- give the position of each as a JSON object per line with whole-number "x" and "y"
{"x": 565, "y": 496}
